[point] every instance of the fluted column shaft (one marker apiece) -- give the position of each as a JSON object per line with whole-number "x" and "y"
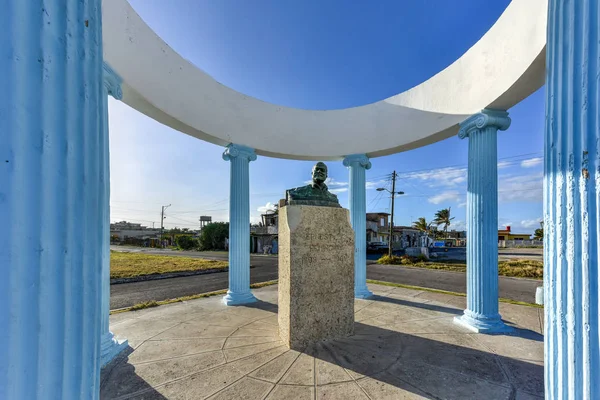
{"x": 239, "y": 225}
{"x": 110, "y": 347}
{"x": 572, "y": 201}
{"x": 358, "y": 164}
{"x": 482, "y": 314}
{"x": 51, "y": 199}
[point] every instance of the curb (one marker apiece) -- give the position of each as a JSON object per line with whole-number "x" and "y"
{"x": 154, "y": 277}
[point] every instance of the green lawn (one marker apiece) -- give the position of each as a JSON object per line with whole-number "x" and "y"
{"x": 129, "y": 265}
{"x": 513, "y": 268}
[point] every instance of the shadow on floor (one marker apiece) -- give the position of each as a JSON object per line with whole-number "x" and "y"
{"x": 136, "y": 382}
{"x": 425, "y": 306}
{"x": 439, "y": 365}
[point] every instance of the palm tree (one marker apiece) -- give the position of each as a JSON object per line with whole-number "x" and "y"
{"x": 539, "y": 233}
{"x": 442, "y": 217}
{"x": 422, "y": 225}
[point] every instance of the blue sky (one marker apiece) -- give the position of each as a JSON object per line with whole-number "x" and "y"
{"x": 318, "y": 55}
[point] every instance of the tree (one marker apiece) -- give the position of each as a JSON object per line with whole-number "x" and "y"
{"x": 421, "y": 224}
{"x": 442, "y": 217}
{"x": 186, "y": 242}
{"x": 213, "y": 236}
{"x": 538, "y": 234}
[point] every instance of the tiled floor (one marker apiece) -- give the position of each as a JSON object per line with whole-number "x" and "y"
{"x": 405, "y": 346}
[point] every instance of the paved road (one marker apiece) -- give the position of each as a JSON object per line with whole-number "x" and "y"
{"x": 265, "y": 269}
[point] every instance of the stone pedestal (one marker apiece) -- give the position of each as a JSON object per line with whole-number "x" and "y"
{"x": 316, "y": 274}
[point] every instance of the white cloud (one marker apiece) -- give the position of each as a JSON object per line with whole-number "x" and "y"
{"x": 376, "y": 184}
{"x": 532, "y": 162}
{"x": 267, "y": 207}
{"x": 330, "y": 182}
{"x": 339, "y": 190}
{"x": 504, "y": 164}
{"x": 514, "y": 188}
{"x": 458, "y": 225}
{"x": 452, "y": 195}
{"x": 531, "y": 223}
{"x": 440, "y": 177}
{"x": 463, "y": 204}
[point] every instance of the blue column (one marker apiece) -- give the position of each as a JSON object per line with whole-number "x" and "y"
{"x": 482, "y": 314}
{"x": 572, "y": 201}
{"x": 110, "y": 347}
{"x": 52, "y": 199}
{"x": 357, "y": 164}
{"x": 239, "y": 225}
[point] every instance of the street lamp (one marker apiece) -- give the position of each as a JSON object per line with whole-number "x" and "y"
{"x": 393, "y": 194}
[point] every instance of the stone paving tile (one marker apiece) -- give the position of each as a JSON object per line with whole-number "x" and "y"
{"x": 335, "y": 391}
{"x": 328, "y": 372}
{"x": 137, "y": 331}
{"x": 458, "y": 353}
{"x": 196, "y": 329}
{"x": 387, "y": 387}
{"x": 274, "y": 370}
{"x": 405, "y": 347}
{"x": 302, "y": 372}
{"x": 290, "y": 392}
{"x": 252, "y": 332}
{"x": 245, "y": 351}
{"x": 528, "y": 345}
{"x": 233, "y": 342}
{"x": 526, "y": 396}
{"x": 448, "y": 384}
{"x": 127, "y": 378}
{"x": 525, "y": 317}
{"x": 246, "y": 388}
{"x": 154, "y": 350}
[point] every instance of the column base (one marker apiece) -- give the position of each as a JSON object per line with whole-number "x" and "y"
{"x": 362, "y": 293}
{"x": 236, "y": 299}
{"x": 482, "y": 323}
{"x": 111, "y": 347}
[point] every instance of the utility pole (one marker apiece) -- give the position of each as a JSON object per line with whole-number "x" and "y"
{"x": 391, "y": 246}
{"x": 393, "y": 193}
{"x": 162, "y": 218}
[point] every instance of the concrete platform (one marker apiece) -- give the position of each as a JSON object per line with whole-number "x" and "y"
{"x": 405, "y": 347}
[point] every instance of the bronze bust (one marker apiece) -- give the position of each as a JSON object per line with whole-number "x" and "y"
{"x": 315, "y": 194}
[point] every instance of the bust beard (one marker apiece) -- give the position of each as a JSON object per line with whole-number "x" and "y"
{"x": 319, "y": 185}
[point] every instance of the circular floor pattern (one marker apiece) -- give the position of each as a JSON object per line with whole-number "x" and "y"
{"x": 405, "y": 346}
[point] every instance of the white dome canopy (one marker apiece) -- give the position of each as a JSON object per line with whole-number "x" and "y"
{"x": 505, "y": 66}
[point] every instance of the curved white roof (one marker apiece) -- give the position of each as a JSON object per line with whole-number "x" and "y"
{"x": 504, "y": 67}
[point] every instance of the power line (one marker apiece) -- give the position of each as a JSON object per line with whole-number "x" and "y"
{"x": 465, "y": 165}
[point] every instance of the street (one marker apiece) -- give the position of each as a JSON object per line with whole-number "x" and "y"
{"x": 264, "y": 268}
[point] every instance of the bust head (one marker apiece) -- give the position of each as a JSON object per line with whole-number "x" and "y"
{"x": 319, "y": 173}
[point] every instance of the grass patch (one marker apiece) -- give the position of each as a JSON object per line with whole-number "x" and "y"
{"x": 146, "y": 304}
{"x": 153, "y": 303}
{"x": 129, "y": 265}
{"x": 400, "y": 285}
{"x": 511, "y": 268}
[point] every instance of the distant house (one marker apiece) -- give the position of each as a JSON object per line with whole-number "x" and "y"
{"x": 506, "y": 234}
{"x": 128, "y": 230}
{"x": 263, "y": 236}
{"x": 378, "y": 228}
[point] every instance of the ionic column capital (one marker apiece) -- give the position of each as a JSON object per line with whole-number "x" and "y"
{"x": 236, "y": 150}
{"x": 486, "y": 118}
{"x": 360, "y": 159}
{"x": 112, "y": 82}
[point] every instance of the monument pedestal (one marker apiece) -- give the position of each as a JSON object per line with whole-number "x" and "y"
{"x": 316, "y": 274}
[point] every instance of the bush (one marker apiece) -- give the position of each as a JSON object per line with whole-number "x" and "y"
{"x": 213, "y": 236}
{"x": 186, "y": 242}
{"x": 395, "y": 260}
{"x": 422, "y": 258}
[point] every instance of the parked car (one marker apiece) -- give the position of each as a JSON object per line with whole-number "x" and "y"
{"x": 377, "y": 247}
